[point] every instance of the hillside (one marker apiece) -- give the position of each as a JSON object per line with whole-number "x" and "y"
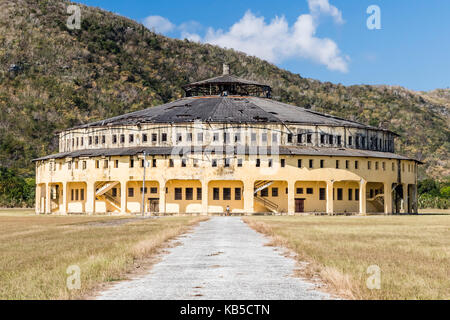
{"x": 53, "y": 78}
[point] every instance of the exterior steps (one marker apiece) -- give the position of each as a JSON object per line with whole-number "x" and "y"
{"x": 105, "y": 187}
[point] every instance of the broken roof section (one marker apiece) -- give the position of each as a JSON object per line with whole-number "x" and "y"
{"x": 241, "y": 110}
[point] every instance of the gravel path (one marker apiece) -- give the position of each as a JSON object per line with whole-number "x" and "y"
{"x": 222, "y": 258}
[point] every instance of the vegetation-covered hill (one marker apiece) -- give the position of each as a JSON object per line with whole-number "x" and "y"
{"x": 53, "y": 78}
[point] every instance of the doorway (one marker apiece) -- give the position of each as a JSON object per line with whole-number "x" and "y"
{"x": 299, "y": 205}
{"x": 153, "y": 205}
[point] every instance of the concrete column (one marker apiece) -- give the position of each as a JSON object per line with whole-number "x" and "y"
{"x": 330, "y": 202}
{"x": 205, "y": 194}
{"x": 48, "y": 199}
{"x": 405, "y": 198}
{"x": 37, "y": 205}
{"x": 123, "y": 197}
{"x": 162, "y": 197}
{"x": 248, "y": 197}
{"x": 388, "y": 198}
{"x": 415, "y": 207}
{"x": 90, "y": 198}
{"x": 65, "y": 193}
{"x": 362, "y": 197}
{"x": 291, "y": 197}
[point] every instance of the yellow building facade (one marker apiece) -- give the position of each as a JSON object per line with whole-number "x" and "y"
{"x": 226, "y": 147}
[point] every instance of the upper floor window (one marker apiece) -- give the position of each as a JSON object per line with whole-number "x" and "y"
{"x": 131, "y": 138}
{"x": 144, "y": 137}
{"x": 164, "y": 137}
{"x": 350, "y": 140}
{"x": 154, "y": 137}
{"x": 309, "y": 138}
{"x": 114, "y": 139}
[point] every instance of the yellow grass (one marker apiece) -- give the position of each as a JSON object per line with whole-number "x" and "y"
{"x": 413, "y": 252}
{"x": 35, "y": 251}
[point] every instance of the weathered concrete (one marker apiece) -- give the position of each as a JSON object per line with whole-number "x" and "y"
{"x": 222, "y": 258}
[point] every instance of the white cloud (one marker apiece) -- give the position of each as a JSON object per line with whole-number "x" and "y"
{"x": 276, "y": 41}
{"x": 318, "y": 7}
{"x": 159, "y": 24}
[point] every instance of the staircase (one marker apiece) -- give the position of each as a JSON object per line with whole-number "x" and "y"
{"x": 261, "y": 185}
{"x": 103, "y": 194}
{"x": 104, "y": 187}
{"x": 377, "y": 201}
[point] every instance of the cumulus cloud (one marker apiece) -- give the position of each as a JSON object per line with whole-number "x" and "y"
{"x": 159, "y": 24}
{"x": 276, "y": 40}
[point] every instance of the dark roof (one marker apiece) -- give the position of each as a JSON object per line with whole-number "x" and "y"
{"x": 225, "y": 79}
{"x": 307, "y": 151}
{"x": 231, "y": 109}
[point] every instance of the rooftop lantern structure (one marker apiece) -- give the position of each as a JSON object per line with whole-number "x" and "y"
{"x": 227, "y": 85}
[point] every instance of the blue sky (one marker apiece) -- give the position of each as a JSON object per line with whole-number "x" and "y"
{"x": 411, "y": 49}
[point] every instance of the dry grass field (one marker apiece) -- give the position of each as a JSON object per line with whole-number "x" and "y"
{"x": 35, "y": 251}
{"x": 413, "y": 252}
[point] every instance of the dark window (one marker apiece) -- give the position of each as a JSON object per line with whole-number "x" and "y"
{"x": 130, "y": 192}
{"x": 114, "y": 192}
{"x": 258, "y": 163}
{"x": 199, "y": 193}
{"x": 179, "y": 137}
{"x": 283, "y": 163}
{"x": 145, "y": 190}
{"x": 164, "y": 137}
{"x": 357, "y": 194}
{"x": 322, "y": 138}
{"x": 214, "y": 163}
{"x": 309, "y": 190}
{"x": 337, "y": 164}
{"x": 299, "y": 138}
{"x": 90, "y": 140}
{"x": 321, "y": 163}
{"x": 237, "y": 193}
{"x": 154, "y": 163}
{"x": 239, "y": 163}
{"x": 103, "y": 139}
{"x": 105, "y": 164}
{"x": 96, "y": 139}
{"x": 322, "y": 194}
{"x": 330, "y": 139}
{"x": 350, "y": 141}
{"x": 97, "y": 164}
{"x": 131, "y": 138}
{"x": 265, "y": 192}
{"x": 153, "y": 190}
{"x": 339, "y": 193}
{"x": 215, "y": 137}
{"x": 356, "y": 164}
{"x": 308, "y": 138}
{"x": 270, "y": 162}
{"x": 274, "y": 192}
{"x": 84, "y": 165}
{"x": 154, "y": 137}
{"x": 226, "y": 193}
{"x": 82, "y": 141}
{"x": 82, "y": 194}
{"x": 131, "y": 163}
{"x": 122, "y": 138}
{"x": 350, "y": 194}
{"x": 346, "y": 164}
{"x": 299, "y": 190}
{"x": 289, "y": 138}
{"x": 178, "y": 194}
{"x": 376, "y": 165}
{"x": 114, "y": 139}
{"x": 144, "y": 137}
{"x": 264, "y": 137}
{"x": 183, "y": 163}
{"x": 227, "y": 163}
{"x": 299, "y": 163}
{"x": 339, "y": 140}
{"x": 369, "y": 165}
{"x": 76, "y": 194}
{"x": 363, "y": 142}
{"x": 189, "y": 193}
{"x": 171, "y": 163}
{"x": 142, "y": 163}
{"x": 72, "y": 195}
{"x": 311, "y": 163}
{"x": 216, "y": 194}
